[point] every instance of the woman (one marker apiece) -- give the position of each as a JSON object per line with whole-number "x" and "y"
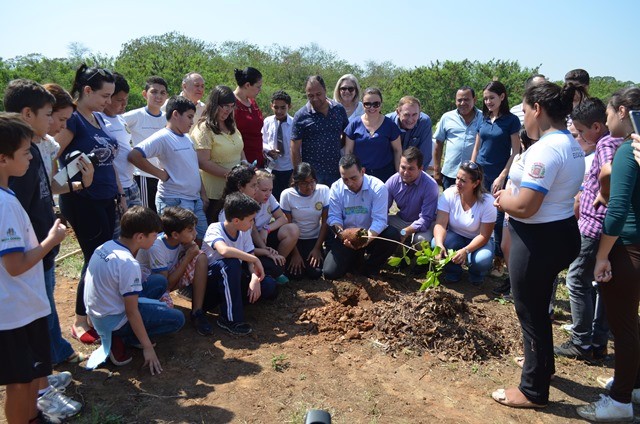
{"x": 248, "y": 115}
{"x": 497, "y": 143}
{"x": 218, "y": 144}
{"x": 347, "y": 93}
{"x": 91, "y": 210}
{"x": 465, "y": 221}
{"x": 306, "y": 204}
{"x": 374, "y": 138}
{"x": 544, "y": 232}
{"x": 618, "y": 267}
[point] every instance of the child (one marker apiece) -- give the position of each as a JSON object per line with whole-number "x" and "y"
{"x": 177, "y": 168}
{"x": 62, "y": 110}
{"x": 25, "y": 357}
{"x": 232, "y": 245}
{"x": 113, "y": 288}
{"x": 279, "y": 234}
{"x": 34, "y": 104}
{"x": 176, "y": 256}
{"x": 276, "y": 136}
{"x": 143, "y": 123}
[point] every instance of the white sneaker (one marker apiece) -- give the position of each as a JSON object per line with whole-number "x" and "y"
{"x": 56, "y": 407}
{"x": 606, "y": 410}
{"x": 606, "y": 383}
{"x": 60, "y": 380}
{"x": 567, "y": 327}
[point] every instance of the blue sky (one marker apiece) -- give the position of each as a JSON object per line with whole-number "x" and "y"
{"x": 559, "y": 35}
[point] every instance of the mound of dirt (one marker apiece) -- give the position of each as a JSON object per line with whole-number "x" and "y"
{"x": 436, "y": 321}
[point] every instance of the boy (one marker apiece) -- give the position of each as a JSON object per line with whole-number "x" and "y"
{"x": 232, "y": 245}
{"x": 25, "y": 357}
{"x": 34, "y": 104}
{"x": 589, "y": 329}
{"x": 143, "y": 123}
{"x": 113, "y": 288}
{"x": 176, "y": 256}
{"x": 276, "y": 139}
{"x": 177, "y": 168}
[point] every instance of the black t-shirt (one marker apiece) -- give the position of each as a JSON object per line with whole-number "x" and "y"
{"x": 34, "y": 193}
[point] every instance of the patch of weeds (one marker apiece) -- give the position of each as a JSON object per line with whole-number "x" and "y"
{"x": 71, "y": 267}
{"x": 279, "y": 363}
{"x": 100, "y": 413}
{"x": 474, "y": 368}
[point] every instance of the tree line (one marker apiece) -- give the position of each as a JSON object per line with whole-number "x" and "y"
{"x": 171, "y": 55}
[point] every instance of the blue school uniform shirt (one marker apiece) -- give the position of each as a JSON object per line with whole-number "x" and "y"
{"x": 495, "y": 143}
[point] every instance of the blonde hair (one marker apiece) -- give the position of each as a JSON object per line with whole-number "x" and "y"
{"x": 262, "y": 174}
{"x": 336, "y": 92}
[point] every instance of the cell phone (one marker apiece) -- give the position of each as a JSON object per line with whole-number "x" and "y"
{"x": 635, "y": 120}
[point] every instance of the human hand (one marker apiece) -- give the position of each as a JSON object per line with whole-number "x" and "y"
{"x": 437, "y": 175}
{"x": 273, "y": 154}
{"x": 296, "y": 264}
{"x": 151, "y": 359}
{"x": 255, "y": 290}
{"x": 459, "y": 258}
{"x": 498, "y": 184}
{"x": 600, "y": 201}
{"x": 192, "y": 251}
{"x": 164, "y": 175}
{"x": 58, "y": 231}
{"x": 497, "y": 195}
{"x": 278, "y": 259}
{"x": 602, "y": 270}
{"x": 86, "y": 169}
{"x": 315, "y": 257}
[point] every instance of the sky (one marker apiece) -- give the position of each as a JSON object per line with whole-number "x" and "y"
{"x": 557, "y": 35}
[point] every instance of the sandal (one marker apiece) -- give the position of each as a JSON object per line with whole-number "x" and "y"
{"x": 88, "y": 337}
{"x": 76, "y": 358}
{"x": 514, "y": 398}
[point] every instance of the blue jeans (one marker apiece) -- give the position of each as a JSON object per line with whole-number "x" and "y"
{"x": 497, "y": 230}
{"x": 194, "y": 206}
{"x": 587, "y": 308}
{"x": 154, "y": 287}
{"x": 327, "y": 178}
{"x": 478, "y": 262}
{"x": 61, "y": 349}
{"x": 132, "y": 194}
{"x": 447, "y": 182}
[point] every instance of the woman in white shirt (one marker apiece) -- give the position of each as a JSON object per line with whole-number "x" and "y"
{"x": 465, "y": 221}
{"x": 347, "y": 93}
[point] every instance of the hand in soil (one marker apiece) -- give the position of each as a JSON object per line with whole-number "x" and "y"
{"x": 354, "y": 238}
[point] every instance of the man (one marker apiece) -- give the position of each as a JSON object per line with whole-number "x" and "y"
{"x": 414, "y": 125}
{"x": 457, "y": 128}
{"x": 317, "y": 134}
{"x": 192, "y": 89}
{"x": 532, "y": 80}
{"x": 358, "y": 200}
{"x": 416, "y": 196}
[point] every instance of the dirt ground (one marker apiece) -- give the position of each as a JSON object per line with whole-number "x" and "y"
{"x": 368, "y": 351}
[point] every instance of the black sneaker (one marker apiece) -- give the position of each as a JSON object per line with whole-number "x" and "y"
{"x": 599, "y": 352}
{"x": 503, "y": 288}
{"x": 201, "y": 324}
{"x": 569, "y": 349}
{"x": 235, "y": 328}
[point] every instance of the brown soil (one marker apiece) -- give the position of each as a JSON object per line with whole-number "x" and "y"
{"x": 366, "y": 350}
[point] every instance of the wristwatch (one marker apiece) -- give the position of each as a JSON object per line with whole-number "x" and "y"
{"x": 403, "y": 232}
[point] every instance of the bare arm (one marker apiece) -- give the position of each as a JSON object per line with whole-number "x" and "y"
{"x": 476, "y": 148}
{"x": 498, "y": 183}
{"x": 17, "y": 263}
{"x": 348, "y": 146}
{"x": 437, "y": 160}
{"x": 281, "y": 219}
{"x": 63, "y": 138}
{"x": 137, "y": 325}
{"x": 524, "y": 205}
{"x": 396, "y": 145}
{"x": 296, "y": 154}
{"x": 231, "y": 252}
{"x": 136, "y": 157}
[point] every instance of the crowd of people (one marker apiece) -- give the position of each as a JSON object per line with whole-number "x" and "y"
{"x": 214, "y": 202}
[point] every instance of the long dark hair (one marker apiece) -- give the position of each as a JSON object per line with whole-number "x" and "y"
{"x": 555, "y": 100}
{"x": 301, "y": 172}
{"x": 498, "y": 88}
{"x": 220, "y": 95}
{"x": 239, "y": 176}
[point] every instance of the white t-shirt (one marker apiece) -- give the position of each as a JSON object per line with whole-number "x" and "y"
{"x": 466, "y": 223}
{"x": 177, "y": 156}
{"x": 588, "y": 160}
{"x": 263, "y": 217}
{"x": 23, "y": 298}
{"x": 306, "y": 210}
{"x": 143, "y": 125}
{"x": 117, "y": 128}
{"x": 112, "y": 273}
{"x": 160, "y": 257}
{"x": 216, "y": 232}
{"x": 554, "y": 166}
{"x": 49, "y": 149}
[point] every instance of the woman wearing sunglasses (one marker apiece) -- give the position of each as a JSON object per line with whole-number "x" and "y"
{"x": 465, "y": 221}
{"x": 91, "y": 210}
{"x": 544, "y": 232}
{"x": 219, "y": 145}
{"x": 374, "y": 138}
{"x": 347, "y": 93}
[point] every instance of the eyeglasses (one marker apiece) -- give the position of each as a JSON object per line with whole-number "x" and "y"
{"x": 228, "y": 106}
{"x": 470, "y": 165}
{"x": 104, "y": 73}
{"x": 349, "y": 89}
{"x": 374, "y": 105}
{"x": 306, "y": 183}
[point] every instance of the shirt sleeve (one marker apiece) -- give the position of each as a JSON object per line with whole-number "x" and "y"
{"x": 131, "y": 118}
{"x": 247, "y": 245}
{"x": 152, "y": 146}
{"x": 129, "y": 277}
{"x": 265, "y": 135}
{"x": 379, "y": 209}
{"x": 157, "y": 257}
{"x": 350, "y": 128}
{"x": 273, "y": 204}
{"x": 440, "y": 133}
{"x": 12, "y": 237}
{"x": 394, "y": 131}
{"x": 296, "y": 127}
{"x": 489, "y": 212}
{"x": 540, "y": 169}
{"x": 514, "y": 125}
{"x": 428, "y": 207}
{"x": 284, "y": 201}
{"x": 444, "y": 201}
{"x": 335, "y": 206}
{"x": 201, "y": 137}
{"x": 624, "y": 176}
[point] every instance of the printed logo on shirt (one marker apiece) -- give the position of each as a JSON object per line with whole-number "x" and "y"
{"x": 318, "y": 206}
{"x": 537, "y": 170}
{"x": 11, "y": 235}
{"x": 353, "y": 210}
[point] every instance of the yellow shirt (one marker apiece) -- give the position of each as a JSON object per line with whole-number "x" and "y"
{"x": 226, "y": 150}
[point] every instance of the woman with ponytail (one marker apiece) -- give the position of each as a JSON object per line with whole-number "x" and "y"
{"x": 91, "y": 209}
{"x": 544, "y": 232}
{"x": 247, "y": 115}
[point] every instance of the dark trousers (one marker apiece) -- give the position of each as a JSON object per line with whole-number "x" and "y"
{"x": 621, "y": 297}
{"x": 447, "y": 182}
{"x": 148, "y": 188}
{"x": 538, "y": 253}
{"x": 213, "y": 210}
{"x": 340, "y": 258}
{"x": 93, "y": 222}
{"x": 281, "y": 182}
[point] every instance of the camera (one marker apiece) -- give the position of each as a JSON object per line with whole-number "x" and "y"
{"x": 69, "y": 157}
{"x": 72, "y": 159}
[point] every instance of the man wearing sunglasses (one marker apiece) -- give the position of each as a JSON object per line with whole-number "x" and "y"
{"x": 415, "y": 126}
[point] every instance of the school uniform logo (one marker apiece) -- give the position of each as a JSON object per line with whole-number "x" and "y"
{"x": 537, "y": 170}
{"x": 318, "y": 206}
{"x": 11, "y": 235}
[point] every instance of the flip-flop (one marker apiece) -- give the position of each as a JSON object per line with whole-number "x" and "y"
{"x": 88, "y": 337}
{"x": 507, "y": 397}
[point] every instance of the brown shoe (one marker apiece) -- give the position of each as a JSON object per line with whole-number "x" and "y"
{"x": 514, "y": 398}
